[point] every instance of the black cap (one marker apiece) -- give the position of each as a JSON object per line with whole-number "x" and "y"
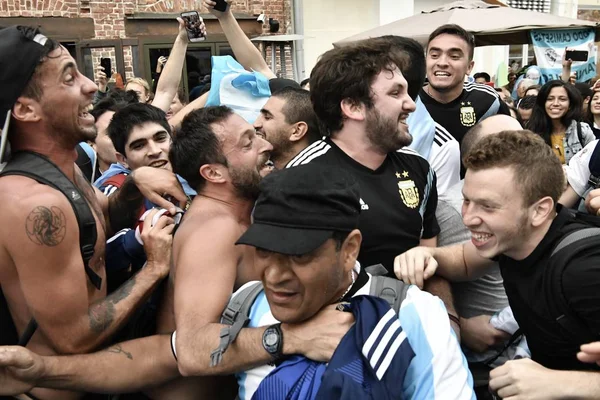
{"x": 21, "y": 50}
{"x": 299, "y": 208}
{"x": 276, "y": 84}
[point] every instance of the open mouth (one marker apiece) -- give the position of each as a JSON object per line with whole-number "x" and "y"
{"x": 83, "y": 114}
{"x": 158, "y": 164}
{"x": 480, "y": 239}
{"x": 268, "y": 164}
{"x": 441, "y": 74}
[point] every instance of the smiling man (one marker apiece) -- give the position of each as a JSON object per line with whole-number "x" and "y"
{"x": 289, "y": 123}
{"x": 453, "y": 104}
{"x": 54, "y": 293}
{"x": 364, "y": 111}
{"x": 142, "y": 138}
{"x": 510, "y": 191}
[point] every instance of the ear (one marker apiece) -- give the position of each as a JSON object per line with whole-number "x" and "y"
{"x": 215, "y": 173}
{"x": 122, "y": 160}
{"x": 352, "y": 110}
{"x": 300, "y": 129}
{"x": 541, "y": 211}
{"x": 471, "y": 65}
{"x": 26, "y": 110}
{"x": 350, "y": 249}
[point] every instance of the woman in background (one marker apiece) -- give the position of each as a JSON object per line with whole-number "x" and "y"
{"x": 557, "y": 116}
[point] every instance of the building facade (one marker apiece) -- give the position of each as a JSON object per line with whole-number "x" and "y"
{"x": 135, "y": 33}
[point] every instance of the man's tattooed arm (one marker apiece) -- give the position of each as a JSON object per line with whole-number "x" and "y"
{"x": 46, "y": 226}
{"x": 102, "y": 314}
{"x": 118, "y": 349}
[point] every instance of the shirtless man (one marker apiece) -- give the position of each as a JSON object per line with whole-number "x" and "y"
{"x": 41, "y": 268}
{"x": 223, "y": 158}
{"x": 219, "y": 154}
{"x": 223, "y": 162}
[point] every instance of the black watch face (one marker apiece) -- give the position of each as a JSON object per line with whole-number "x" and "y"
{"x": 271, "y": 339}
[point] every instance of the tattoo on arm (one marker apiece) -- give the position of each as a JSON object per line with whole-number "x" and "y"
{"x": 117, "y": 349}
{"x": 46, "y": 226}
{"x": 102, "y": 314}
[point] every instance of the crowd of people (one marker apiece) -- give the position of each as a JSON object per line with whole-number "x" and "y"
{"x": 387, "y": 228}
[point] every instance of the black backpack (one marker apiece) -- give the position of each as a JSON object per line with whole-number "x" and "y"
{"x": 44, "y": 171}
{"x": 581, "y": 237}
{"x": 237, "y": 312}
{"x": 594, "y": 166}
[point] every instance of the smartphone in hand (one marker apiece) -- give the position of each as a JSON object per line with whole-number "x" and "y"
{"x": 576, "y": 55}
{"x": 221, "y": 5}
{"x": 193, "y": 21}
{"x": 106, "y": 64}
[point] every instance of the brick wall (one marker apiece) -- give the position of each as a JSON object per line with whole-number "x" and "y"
{"x": 109, "y": 16}
{"x": 590, "y": 15}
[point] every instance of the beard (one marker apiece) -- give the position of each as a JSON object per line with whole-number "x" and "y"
{"x": 384, "y": 132}
{"x": 70, "y": 134}
{"x": 282, "y": 147}
{"x": 246, "y": 180}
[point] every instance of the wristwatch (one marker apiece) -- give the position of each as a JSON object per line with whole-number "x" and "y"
{"x": 272, "y": 340}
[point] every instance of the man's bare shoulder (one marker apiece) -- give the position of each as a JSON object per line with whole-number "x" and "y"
{"x": 21, "y": 197}
{"x": 16, "y": 192}
{"x": 216, "y": 226}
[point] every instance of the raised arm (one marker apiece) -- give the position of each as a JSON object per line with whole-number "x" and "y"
{"x": 176, "y": 119}
{"x": 245, "y": 52}
{"x": 44, "y": 247}
{"x": 566, "y": 69}
{"x": 170, "y": 77}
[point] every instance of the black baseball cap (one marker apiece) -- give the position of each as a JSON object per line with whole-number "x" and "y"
{"x": 21, "y": 50}
{"x": 299, "y": 208}
{"x": 276, "y": 84}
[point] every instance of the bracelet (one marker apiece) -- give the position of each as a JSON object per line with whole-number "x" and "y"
{"x": 454, "y": 319}
{"x": 173, "y": 339}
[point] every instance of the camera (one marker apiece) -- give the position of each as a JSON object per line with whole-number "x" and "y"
{"x": 261, "y": 18}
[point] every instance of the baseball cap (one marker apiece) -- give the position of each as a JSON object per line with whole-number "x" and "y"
{"x": 276, "y": 84}
{"x": 299, "y": 208}
{"x": 21, "y": 50}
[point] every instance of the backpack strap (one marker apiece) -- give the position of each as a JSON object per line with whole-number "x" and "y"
{"x": 393, "y": 291}
{"x": 594, "y": 167}
{"x": 579, "y": 134}
{"x": 236, "y": 316}
{"x": 568, "y": 247}
{"x": 44, "y": 171}
{"x": 8, "y": 333}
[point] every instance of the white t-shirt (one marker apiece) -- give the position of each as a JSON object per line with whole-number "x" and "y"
{"x": 578, "y": 169}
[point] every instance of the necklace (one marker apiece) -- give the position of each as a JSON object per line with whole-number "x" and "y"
{"x": 215, "y": 199}
{"x": 349, "y": 287}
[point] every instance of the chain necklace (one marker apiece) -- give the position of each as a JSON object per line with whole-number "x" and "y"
{"x": 349, "y": 287}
